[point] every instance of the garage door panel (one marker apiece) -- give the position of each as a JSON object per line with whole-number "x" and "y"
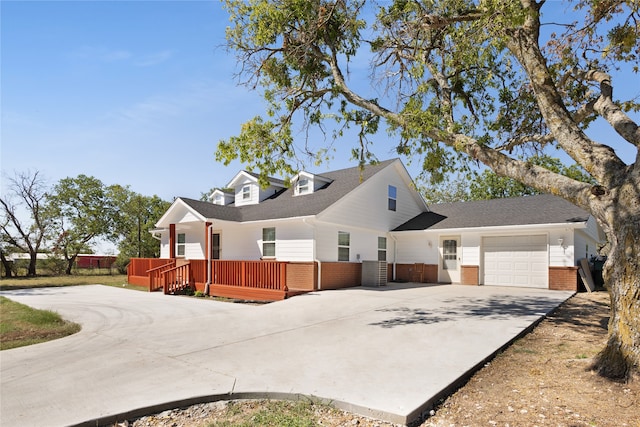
{"x": 516, "y": 261}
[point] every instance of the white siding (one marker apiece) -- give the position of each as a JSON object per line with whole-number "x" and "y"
{"x": 294, "y": 241}
{"x": 417, "y": 248}
{"x": 367, "y": 205}
{"x": 194, "y": 236}
{"x": 585, "y": 246}
{"x": 470, "y": 248}
{"x": 164, "y": 245}
{"x": 254, "y": 193}
{"x": 240, "y": 242}
{"x": 362, "y": 243}
{"x": 561, "y": 255}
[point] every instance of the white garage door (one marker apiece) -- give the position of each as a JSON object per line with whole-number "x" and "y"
{"x": 516, "y": 261}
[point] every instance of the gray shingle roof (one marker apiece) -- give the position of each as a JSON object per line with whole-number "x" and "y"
{"x": 540, "y": 209}
{"x": 285, "y": 205}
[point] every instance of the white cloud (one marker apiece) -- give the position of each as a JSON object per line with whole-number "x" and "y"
{"x": 153, "y": 58}
{"x": 101, "y": 54}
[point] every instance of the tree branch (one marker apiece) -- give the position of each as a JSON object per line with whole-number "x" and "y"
{"x": 529, "y": 174}
{"x": 598, "y": 160}
{"x": 605, "y": 107}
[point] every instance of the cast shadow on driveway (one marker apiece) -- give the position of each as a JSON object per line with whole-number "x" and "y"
{"x": 455, "y": 309}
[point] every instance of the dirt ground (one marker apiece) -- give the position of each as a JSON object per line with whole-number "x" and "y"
{"x": 543, "y": 379}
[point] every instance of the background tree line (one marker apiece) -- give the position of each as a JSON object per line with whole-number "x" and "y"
{"x": 72, "y": 217}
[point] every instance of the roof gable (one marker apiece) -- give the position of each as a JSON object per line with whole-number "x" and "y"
{"x": 243, "y": 177}
{"x": 283, "y": 204}
{"x": 180, "y": 211}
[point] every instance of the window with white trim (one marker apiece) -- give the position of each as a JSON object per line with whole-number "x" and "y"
{"x": 343, "y": 246}
{"x": 246, "y": 192}
{"x": 392, "y": 198}
{"x": 303, "y": 186}
{"x": 269, "y": 242}
{"x": 181, "y": 244}
{"x": 382, "y": 248}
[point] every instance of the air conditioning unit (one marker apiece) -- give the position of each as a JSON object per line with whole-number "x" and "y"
{"x": 374, "y": 273}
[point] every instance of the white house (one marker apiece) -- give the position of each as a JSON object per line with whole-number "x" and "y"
{"x": 533, "y": 241}
{"x": 323, "y": 228}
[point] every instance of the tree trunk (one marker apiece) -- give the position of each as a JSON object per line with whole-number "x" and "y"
{"x": 70, "y": 261}
{"x": 7, "y": 265}
{"x": 33, "y": 259}
{"x": 621, "y": 356}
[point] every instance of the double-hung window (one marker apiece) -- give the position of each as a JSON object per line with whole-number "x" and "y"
{"x": 382, "y": 248}
{"x": 392, "y": 198}
{"x": 343, "y": 246}
{"x": 303, "y": 186}
{"x": 269, "y": 242}
{"x": 246, "y": 192}
{"x": 181, "y": 244}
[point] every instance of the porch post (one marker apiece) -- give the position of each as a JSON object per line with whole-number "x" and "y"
{"x": 207, "y": 241}
{"x": 172, "y": 241}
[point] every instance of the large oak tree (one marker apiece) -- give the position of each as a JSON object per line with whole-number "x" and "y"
{"x": 458, "y": 82}
{"x": 82, "y": 213}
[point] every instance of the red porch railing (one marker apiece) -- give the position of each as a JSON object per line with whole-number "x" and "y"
{"x": 176, "y": 279}
{"x": 250, "y": 274}
{"x": 156, "y": 280}
{"x": 138, "y": 270}
{"x": 266, "y": 280}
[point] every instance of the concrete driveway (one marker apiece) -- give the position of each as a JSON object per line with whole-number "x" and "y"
{"x": 388, "y": 352}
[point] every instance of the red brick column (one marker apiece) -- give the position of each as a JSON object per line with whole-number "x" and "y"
{"x": 470, "y": 275}
{"x": 563, "y": 278}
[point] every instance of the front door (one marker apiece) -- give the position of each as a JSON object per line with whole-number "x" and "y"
{"x": 215, "y": 246}
{"x": 450, "y": 258}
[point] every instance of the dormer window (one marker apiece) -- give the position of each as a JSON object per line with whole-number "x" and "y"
{"x": 303, "y": 186}
{"x": 218, "y": 199}
{"x": 246, "y": 192}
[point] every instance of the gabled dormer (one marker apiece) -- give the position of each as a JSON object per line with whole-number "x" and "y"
{"x": 222, "y": 196}
{"x": 247, "y": 188}
{"x": 308, "y": 183}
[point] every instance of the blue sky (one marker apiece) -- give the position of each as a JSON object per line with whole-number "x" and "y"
{"x": 132, "y": 92}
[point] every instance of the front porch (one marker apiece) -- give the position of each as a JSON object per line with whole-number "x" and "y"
{"x": 249, "y": 280}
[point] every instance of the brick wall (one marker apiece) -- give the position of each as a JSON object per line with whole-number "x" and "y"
{"x": 302, "y": 275}
{"x": 469, "y": 275}
{"x": 337, "y": 275}
{"x": 421, "y": 273}
{"x": 563, "y": 278}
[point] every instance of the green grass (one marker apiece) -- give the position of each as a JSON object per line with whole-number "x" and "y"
{"x": 271, "y": 413}
{"x": 22, "y": 325}
{"x": 73, "y": 280}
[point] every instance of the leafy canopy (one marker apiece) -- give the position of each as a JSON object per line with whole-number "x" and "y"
{"x": 452, "y": 80}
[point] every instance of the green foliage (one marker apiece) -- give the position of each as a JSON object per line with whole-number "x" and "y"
{"x": 134, "y": 216}
{"x": 489, "y": 185}
{"x": 271, "y": 414}
{"x": 454, "y": 76}
{"x": 82, "y": 213}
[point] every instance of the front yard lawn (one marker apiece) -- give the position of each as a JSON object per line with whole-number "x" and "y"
{"x": 73, "y": 280}
{"x": 22, "y": 325}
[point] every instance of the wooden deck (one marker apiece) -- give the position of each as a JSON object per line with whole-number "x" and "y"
{"x": 248, "y": 280}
